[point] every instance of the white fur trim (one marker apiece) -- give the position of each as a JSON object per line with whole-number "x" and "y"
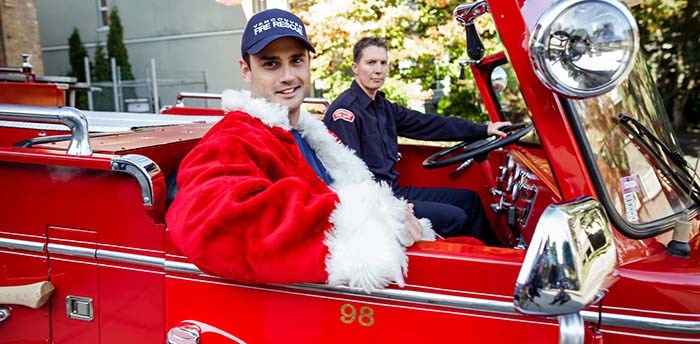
{"x": 340, "y": 161}
{"x": 428, "y": 232}
{"x": 365, "y": 245}
{"x": 271, "y": 114}
{"x": 363, "y": 248}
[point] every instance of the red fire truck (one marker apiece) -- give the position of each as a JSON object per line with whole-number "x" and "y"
{"x": 597, "y": 211}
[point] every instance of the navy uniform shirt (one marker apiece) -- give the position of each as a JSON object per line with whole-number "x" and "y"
{"x": 371, "y": 128}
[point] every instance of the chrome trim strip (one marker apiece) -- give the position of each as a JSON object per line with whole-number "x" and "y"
{"x": 417, "y": 297}
{"x": 502, "y": 307}
{"x": 122, "y": 257}
{"x": 74, "y": 251}
{"x": 475, "y": 304}
{"x": 180, "y": 267}
{"x": 68, "y": 116}
{"x": 141, "y": 168}
{"x": 645, "y": 323}
{"x": 26, "y": 245}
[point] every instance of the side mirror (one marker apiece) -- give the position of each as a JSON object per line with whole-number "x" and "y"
{"x": 569, "y": 263}
{"x": 499, "y": 80}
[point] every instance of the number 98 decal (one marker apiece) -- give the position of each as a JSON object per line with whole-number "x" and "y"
{"x": 348, "y": 315}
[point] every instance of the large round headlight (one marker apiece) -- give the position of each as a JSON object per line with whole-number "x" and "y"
{"x": 584, "y": 48}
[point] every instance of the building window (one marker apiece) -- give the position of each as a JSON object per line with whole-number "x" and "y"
{"x": 102, "y": 15}
{"x": 259, "y": 5}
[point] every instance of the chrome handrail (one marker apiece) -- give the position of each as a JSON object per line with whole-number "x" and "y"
{"x": 195, "y": 95}
{"x": 321, "y": 101}
{"x": 143, "y": 169}
{"x": 179, "y": 102}
{"x": 68, "y": 116}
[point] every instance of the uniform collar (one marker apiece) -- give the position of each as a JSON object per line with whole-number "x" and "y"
{"x": 362, "y": 97}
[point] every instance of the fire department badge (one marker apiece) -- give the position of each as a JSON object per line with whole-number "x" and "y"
{"x": 343, "y": 114}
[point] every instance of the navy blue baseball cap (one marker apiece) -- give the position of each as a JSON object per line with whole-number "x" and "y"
{"x": 269, "y": 25}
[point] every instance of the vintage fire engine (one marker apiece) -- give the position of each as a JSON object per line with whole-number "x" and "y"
{"x": 596, "y": 209}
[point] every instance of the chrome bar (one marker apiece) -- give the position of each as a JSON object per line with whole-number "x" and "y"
{"x": 186, "y": 268}
{"x": 141, "y": 168}
{"x": 644, "y": 323}
{"x": 137, "y": 259}
{"x": 22, "y": 245}
{"x": 68, "y": 116}
{"x": 475, "y": 304}
{"x": 321, "y": 101}
{"x": 10, "y": 70}
{"x": 74, "y": 251}
{"x": 417, "y": 297}
{"x": 194, "y": 95}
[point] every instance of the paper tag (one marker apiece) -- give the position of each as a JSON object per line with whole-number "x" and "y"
{"x": 631, "y": 207}
{"x": 630, "y": 186}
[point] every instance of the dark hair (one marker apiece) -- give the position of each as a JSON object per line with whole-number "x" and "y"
{"x": 364, "y": 43}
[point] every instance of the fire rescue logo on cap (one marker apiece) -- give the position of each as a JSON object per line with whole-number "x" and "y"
{"x": 345, "y": 115}
{"x": 268, "y": 24}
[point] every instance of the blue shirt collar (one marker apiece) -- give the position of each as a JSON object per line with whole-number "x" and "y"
{"x": 362, "y": 97}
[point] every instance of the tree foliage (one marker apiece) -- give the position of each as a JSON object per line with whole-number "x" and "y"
{"x": 670, "y": 37}
{"x": 76, "y": 55}
{"x": 425, "y": 45}
{"x": 115, "y": 44}
{"x": 102, "y": 70}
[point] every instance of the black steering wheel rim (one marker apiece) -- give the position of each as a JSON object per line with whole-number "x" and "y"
{"x": 516, "y": 131}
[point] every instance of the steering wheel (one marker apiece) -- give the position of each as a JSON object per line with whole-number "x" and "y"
{"x": 477, "y": 148}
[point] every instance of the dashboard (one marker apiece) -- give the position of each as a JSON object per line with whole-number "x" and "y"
{"x": 524, "y": 187}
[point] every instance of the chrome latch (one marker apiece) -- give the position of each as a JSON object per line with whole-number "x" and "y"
{"x": 185, "y": 333}
{"x": 4, "y": 313}
{"x": 79, "y": 308}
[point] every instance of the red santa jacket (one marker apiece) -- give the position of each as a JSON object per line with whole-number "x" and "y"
{"x": 250, "y": 208}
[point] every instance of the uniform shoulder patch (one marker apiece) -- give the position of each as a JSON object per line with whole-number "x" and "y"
{"x": 344, "y": 114}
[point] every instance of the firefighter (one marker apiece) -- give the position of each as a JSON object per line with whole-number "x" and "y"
{"x": 370, "y": 124}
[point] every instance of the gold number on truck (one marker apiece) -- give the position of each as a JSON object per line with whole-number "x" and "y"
{"x": 348, "y": 315}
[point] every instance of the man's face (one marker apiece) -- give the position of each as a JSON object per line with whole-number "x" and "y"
{"x": 279, "y": 73}
{"x": 370, "y": 71}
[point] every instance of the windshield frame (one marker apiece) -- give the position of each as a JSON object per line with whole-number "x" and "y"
{"x": 634, "y": 231}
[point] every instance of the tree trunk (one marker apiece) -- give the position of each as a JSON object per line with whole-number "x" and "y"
{"x": 678, "y": 110}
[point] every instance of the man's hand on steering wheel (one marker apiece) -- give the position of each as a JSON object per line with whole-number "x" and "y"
{"x": 494, "y": 129}
{"x": 507, "y": 134}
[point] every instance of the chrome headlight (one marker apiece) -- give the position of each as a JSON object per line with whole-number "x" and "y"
{"x": 584, "y": 48}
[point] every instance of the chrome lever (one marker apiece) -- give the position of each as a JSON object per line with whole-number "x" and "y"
{"x": 457, "y": 171}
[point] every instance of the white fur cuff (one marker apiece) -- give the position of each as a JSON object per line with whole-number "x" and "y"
{"x": 364, "y": 250}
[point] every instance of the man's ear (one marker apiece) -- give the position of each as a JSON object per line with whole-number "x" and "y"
{"x": 245, "y": 70}
{"x": 354, "y": 68}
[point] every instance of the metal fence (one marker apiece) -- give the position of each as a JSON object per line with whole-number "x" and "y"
{"x": 148, "y": 94}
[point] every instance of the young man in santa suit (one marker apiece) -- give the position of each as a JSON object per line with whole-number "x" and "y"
{"x": 270, "y": 196}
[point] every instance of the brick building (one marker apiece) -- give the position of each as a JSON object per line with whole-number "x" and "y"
{"x": 19, "y": 33}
